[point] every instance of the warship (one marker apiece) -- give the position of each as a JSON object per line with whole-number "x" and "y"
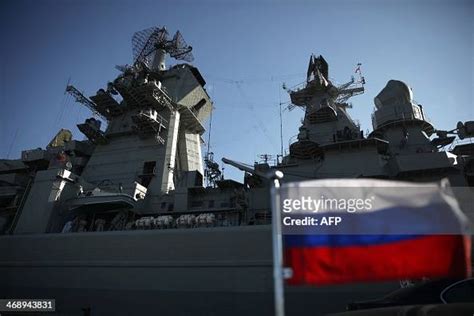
{"x": 135, "y": 219}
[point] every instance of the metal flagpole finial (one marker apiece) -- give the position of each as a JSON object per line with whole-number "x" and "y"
{"x": 276, "y": 175}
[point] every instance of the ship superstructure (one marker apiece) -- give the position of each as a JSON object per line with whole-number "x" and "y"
{"x": 148, "y": 159}
{"x": 330, "y": 144}
{"x": 126, "y": 214}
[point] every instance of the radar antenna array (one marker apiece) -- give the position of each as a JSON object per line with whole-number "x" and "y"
{"x": 81, "y": 98}
{"x": 147, "y": 41}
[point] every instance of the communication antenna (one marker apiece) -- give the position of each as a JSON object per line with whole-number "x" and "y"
{"x": 281, "y": 120}
{"x": 351, "y": 88}
{"x": 212, "y": 173}
{"x": 359, "y": 71}
{"x": 266, "y": 157}
{"x": 151, "y": 45}
{"x": 209, "y": 134}
{"x": 12, "y": 143}
{"x": 81, "y": 98}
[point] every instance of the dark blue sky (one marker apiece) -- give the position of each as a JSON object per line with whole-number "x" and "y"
{"x": 244, "y": 49}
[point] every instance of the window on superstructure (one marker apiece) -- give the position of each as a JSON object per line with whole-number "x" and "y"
{"x": 149, "y": 167}
{"x": 148, "y": 173}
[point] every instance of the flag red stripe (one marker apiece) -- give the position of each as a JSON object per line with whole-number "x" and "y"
{"x": 425, "y": 256}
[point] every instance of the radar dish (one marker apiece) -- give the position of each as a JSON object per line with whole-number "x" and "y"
{"x": 146, "y": 42}
{"x": 179, "y": 49}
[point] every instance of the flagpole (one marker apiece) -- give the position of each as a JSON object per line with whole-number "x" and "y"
{"x": 279, "y": 297}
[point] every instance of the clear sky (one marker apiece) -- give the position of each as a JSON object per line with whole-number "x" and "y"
{"x": 245, "y": 51}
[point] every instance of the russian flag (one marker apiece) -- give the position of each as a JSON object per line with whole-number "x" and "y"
{"x": 411, "y": 231}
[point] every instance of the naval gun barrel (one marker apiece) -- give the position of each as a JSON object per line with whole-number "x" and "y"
{"x": 272, "y": 174}
{"x": 242, "y": 166}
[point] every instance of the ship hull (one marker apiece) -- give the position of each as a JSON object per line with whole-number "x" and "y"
{"x": 204, "y": 271}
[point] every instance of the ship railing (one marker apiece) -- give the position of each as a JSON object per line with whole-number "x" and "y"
{"x": 381, "y": 120}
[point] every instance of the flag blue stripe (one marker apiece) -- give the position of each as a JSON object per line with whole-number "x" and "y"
{"x": 342, "y": 240}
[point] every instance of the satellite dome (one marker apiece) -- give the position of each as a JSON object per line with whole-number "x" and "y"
{"x": 395, "y": 92}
